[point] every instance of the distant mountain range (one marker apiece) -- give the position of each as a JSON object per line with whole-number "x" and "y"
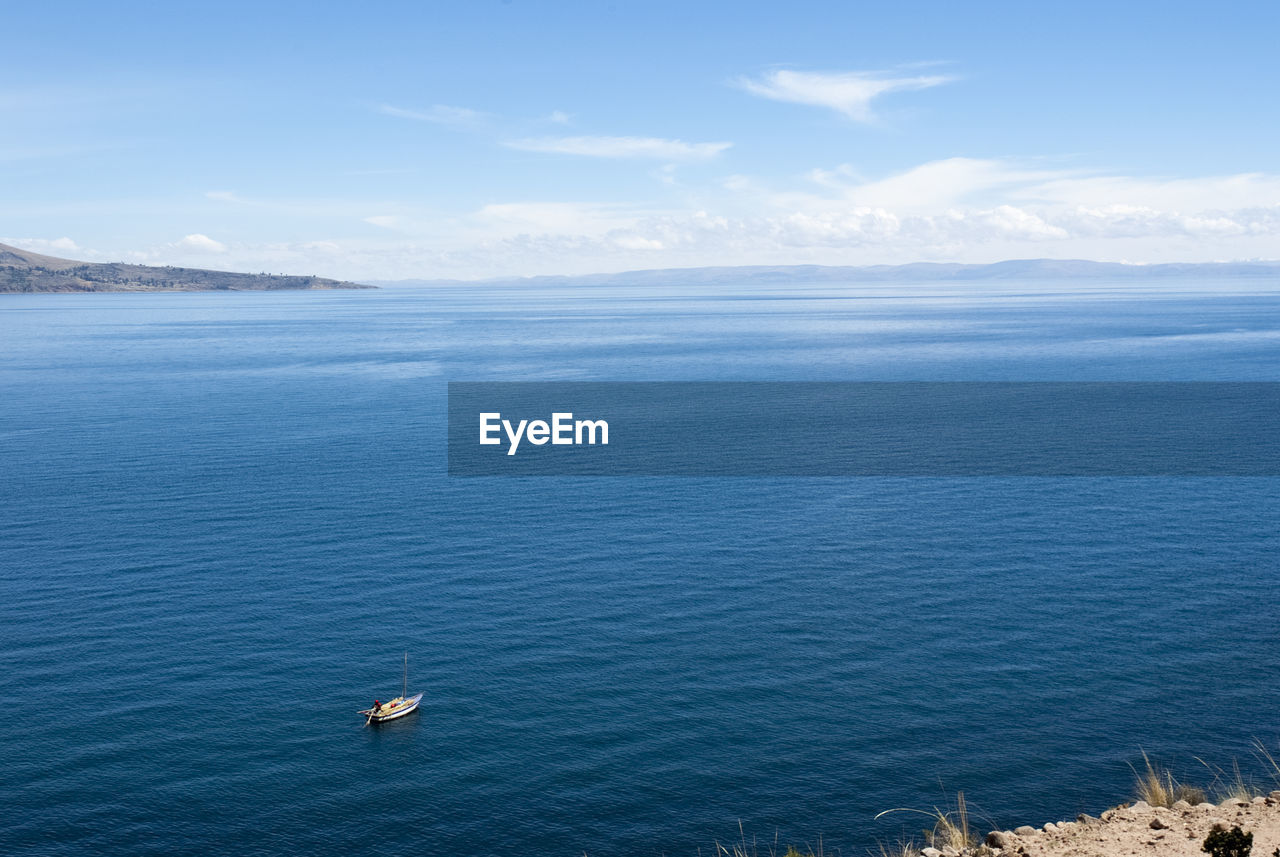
{"x": 23, "y": 271}
{"x": 918, "y": 272}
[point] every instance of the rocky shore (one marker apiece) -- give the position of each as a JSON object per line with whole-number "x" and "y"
{"x": 1137, "y": 829}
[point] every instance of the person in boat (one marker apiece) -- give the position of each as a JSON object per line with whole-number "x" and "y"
{"x": 377, "y": 706}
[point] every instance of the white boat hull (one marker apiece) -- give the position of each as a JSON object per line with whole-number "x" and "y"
{"x": 393, "y": 710}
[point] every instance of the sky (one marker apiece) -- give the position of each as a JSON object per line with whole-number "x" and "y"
{"x": 493, "y": 139}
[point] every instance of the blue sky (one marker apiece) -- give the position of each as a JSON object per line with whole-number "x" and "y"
{"x": 492, "y": 138}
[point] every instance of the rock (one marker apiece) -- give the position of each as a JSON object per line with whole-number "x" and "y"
{"x": 1205, "y": 806}
{"x": 1275, "y": 795}
{"x": 1232, "y": 803}
{"x": 1141, "y": 806}
{"x": 1259, "y": 801}
{"x": 930, "y": 852}
{"x": 1181, "y": 806}
{"x": 1025, "y": 830}
{"x": 1085, "y": 818}
{"x": 1050, "y": 827}
{"x": 948, "y": 851}
{"x": 1157, "y": 824}
{"x": 1002, "y": 839}
{"x": 1217, "y": 824}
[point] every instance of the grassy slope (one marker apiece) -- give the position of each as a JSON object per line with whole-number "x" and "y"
{"x": 23, "y": 271}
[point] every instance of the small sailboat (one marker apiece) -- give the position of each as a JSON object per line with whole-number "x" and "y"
{"x": 398, "y": 707}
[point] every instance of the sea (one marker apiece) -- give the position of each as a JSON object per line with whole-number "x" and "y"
{"x": 227, "y": 519}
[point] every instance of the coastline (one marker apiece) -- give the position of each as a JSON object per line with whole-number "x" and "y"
{"x": 1137, "y": 829}
{"x": 1167, "y": 817}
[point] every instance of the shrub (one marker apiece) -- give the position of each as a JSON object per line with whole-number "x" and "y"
{"x": 1228, "y": 843}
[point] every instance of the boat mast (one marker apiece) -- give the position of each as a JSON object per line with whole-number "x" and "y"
{"x": 405, "y": 691}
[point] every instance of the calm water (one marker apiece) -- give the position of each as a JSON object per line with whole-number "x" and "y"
{"x": 226, "y": 517}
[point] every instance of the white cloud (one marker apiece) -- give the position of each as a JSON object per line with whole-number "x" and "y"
{"x": 934, "y": 185}
{"x": 636, "y": 242}
{"x": 848, "y": 93}
{"x": 45, "y": 246}
{"x": 982, "y": 210}
{"x": 1242, "y": 190}
{"x": 559, "y": 117}
{"x": 622, "y": 147}
{"x": 197, "y": 243}
{"x": 440, "y": 114}
{"x": 385, "y": 221}
{"x": 972, "y": 184}
{"x": 957, "y": 200}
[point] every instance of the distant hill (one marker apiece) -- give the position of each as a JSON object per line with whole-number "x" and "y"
{"x": 23, "y": 271}
{"x": 918, "y": 272}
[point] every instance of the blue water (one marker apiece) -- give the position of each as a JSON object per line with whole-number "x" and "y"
{"x": 226, "y": 516}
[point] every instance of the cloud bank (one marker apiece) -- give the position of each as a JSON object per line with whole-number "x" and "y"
{"x": 952, "y": 209}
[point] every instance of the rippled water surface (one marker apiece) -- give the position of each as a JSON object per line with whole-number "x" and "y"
{"x": 226, "y": 516}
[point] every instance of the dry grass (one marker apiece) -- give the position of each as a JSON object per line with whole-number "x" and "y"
{"x": 901, "y": 849}
{"x": 1154, "y": 784}
{"x": 1157, "y": 787}
{"x": 1231, "y": 786}
{"x": 1268, "y": 761}
{"x": 950, "y": 827}
{"x": 743, "y": 848}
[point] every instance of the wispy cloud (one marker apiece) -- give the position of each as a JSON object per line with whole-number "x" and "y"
{"x": 937, "y": 184}
{"x": 849, "y": 93}
{"x": 622, "y": 147}
{"x": 383, "y": 221}
{"x": 439, "y": 114}
{"x": 562, "y": 218}
{"x": 227, "y": 196}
